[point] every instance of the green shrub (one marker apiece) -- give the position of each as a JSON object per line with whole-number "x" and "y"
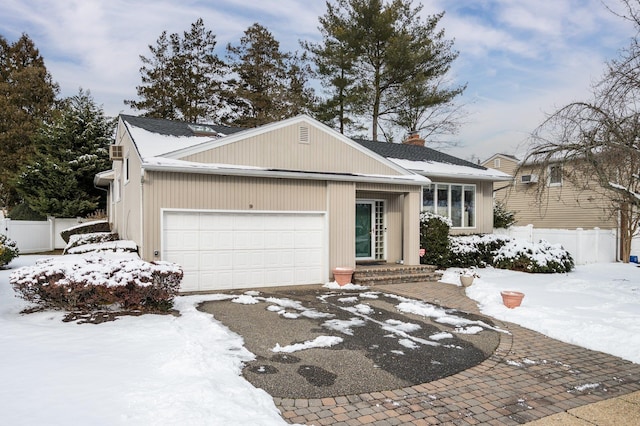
{"x": 24, "y": 212}
{"x": 96, "y": 282}
{"x": 475, "y": 250}
{"x": 8, "y": 250}
{"x": 434, "y": 239}
{"x": 502, "y": 218}
{"x": 540, "y": 257}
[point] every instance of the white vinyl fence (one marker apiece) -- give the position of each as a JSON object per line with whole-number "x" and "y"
{"x": 33, "y": 236}
{"x": 585, "y": 245}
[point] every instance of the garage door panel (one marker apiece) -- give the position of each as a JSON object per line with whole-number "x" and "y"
{"x": 308, "y": 239}
{"x": 243, "y": 240}
{"x": 279, "y": 258}
{"x": 222, "y": 250}
{"x": 182, "y": 220}
{"x": 217, "y": 222}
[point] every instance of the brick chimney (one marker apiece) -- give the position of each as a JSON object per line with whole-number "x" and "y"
{"x": 414, "y": 139}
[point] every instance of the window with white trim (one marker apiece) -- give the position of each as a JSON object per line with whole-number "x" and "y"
{"x": 496, "y": 163}
{"x": 555, "y": 175}
{"x": 455, "y": 201}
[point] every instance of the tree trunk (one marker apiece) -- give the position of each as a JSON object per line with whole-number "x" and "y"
{"x": 625, "y": 232}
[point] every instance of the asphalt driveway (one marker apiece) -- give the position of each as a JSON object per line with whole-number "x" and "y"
{"x": 316, "y": 342}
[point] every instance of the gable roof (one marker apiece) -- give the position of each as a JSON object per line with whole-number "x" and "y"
{"x": 501, "y": 155}
{"x": 431, "y": 163}
{"x": 163, "y": 144}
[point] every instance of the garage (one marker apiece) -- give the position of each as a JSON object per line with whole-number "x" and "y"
{"x": 241, "y": 249}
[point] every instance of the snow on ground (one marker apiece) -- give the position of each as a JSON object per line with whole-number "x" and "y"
{"x": 152, "y": 369}
{"x": 165, "y": 370}
{"x": 596, "y": 306}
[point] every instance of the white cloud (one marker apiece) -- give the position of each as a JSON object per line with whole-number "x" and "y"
{"x": 520, "y": 59}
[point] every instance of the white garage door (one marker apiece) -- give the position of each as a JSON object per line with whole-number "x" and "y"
{"x": 224, "y": 250}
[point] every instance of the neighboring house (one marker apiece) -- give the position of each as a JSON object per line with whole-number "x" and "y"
{"x": 280, "y": 204}
{"x": 562, "y": 205}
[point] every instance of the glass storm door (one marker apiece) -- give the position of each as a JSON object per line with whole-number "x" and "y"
{"x": 364, "y": 230}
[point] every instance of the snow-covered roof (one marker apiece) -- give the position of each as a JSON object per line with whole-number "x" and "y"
{"x": 161, "y": 143}
{"x": 152, "y": 144}
{"x": 435, "y": 169}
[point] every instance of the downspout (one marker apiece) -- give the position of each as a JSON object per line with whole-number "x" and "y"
{"x": 142, "y": 175}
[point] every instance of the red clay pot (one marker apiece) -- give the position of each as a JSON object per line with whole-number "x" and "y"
{"x": 511, "y": 299}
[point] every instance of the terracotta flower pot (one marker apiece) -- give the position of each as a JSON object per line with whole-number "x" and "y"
{"x": 466, "y": 280}
{"x": 511, "y": 299}
{"x": 342, "y": 275}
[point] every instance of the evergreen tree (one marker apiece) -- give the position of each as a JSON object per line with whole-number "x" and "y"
{"x": 182, "y": 79}
{"x": 375, "y": 54}
{"x": 335, "y": 61}
{"x": 270, "y": 85}
{"x": 27, "y": 96}
{"x": 70, "y": 150}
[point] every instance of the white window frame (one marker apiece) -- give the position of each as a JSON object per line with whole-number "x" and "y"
{"x": 496, "y": 163}
{"x": 449, "y": 206}
{"x": 551, "y": 167}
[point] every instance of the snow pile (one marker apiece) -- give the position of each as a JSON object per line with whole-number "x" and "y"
{"x": 119, "y": 246}
{"x": 318, "y": 342}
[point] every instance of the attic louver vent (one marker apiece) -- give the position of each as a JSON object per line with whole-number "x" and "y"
{"x": 304, "y": 134}
{"x": 115, "y": 152}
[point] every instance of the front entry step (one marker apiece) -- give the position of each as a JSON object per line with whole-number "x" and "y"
{"x": 392, "y": 273}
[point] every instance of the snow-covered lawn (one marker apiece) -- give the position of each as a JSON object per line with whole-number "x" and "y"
{"x": 595, "y": 306}
{"x": 166, "y": 370}
{"x": 148, "y": 370}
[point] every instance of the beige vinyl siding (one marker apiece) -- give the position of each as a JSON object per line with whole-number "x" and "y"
{"x": 281, "y": 149}
{"x": 562, "y": 207}
{"x": 126, "y": 220}
{"x": 342, "y": 217}
{"x": 163, "y": 190}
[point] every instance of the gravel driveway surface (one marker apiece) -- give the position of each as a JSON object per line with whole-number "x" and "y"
{"x": 316, "y": 342}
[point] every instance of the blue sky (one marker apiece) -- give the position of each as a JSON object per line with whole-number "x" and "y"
{"x": 520, "y": 58}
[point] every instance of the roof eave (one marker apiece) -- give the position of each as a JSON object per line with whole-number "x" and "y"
{"x": 413, "y": 179}
{"x": 468, "y": 177}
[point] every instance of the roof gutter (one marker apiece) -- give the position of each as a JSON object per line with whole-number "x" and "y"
{"x": 414, "y": 179}
{"x": 471, "y": 177}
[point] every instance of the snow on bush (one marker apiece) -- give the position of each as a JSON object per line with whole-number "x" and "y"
{"x": 76, "y": 240}
{"x": 118, "y": 246}
{"x": 8, "y": 250}
{"x": 524, "y": 256}
{"x": 509, "y": 253}
{"x": 97, "y": 282}
{"x": 86, "y": 228}
{"x": 475, "y": 250}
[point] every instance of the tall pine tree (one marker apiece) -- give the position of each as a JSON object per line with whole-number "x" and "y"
{"x": 374, "y": 54}
{"x": 58, "y": 181}
{"x": 269, "y": 85}
{"x": 27, "y": 97}
{"x": 182, "y": 79}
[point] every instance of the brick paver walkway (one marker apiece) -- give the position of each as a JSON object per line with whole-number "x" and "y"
{"x": 529, "y": 376}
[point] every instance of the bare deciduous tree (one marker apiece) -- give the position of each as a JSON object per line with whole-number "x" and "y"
{"x": 598, "y": 141}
